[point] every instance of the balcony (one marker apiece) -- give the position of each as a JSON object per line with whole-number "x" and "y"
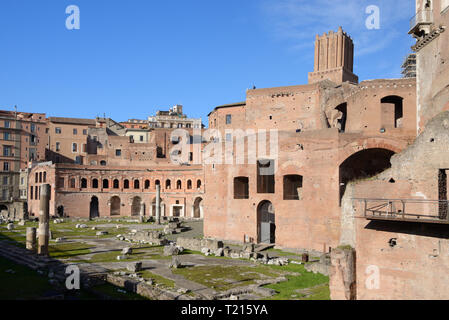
{"x": 421, "y": 22}
{"x": 406, "y": 210}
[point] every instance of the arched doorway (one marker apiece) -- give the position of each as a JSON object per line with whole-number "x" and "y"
{"x": 135, "y": 207}
{"x": 115, "y": 206}
{"x": 94, "y": 212}
{"x": 266, "y": 224}
{"x": 3, "y": 209}
{"x": 198, "y": 208}
{"x": 363, "y": 164}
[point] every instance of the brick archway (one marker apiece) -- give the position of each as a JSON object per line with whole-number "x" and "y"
{"x": 352, "y": 148}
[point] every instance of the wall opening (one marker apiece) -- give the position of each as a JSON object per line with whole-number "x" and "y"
{"x": 135, "y": 207}
{"x": 363, "y": 164}
{"x": 293, "y": 187}
{"x": 179, "y": 185}
{"x": 392, "y": 112}
{"x": 105, "y": 184}
{"x": 265, "y": 176}
{"x": 198, "y": 208}
{"x": 177, "y": 210}
{"x": 168, "y": 184}
{"x": 147, "y": 184}
{"x": 94, "y": 211}
{"x": 136, "y": 184}
{"x": 83, "y": 183}
{"x": 116, "y": 184}
{"x": 115, "y": 206}
{"x": 95, "y": 184}
{"x": 343, "y": 113}
{"x": 241, "y": 188}
{"x": 266, "y": 226}
{"x": 189, "y": 184}
{"x": 126, "y": 184}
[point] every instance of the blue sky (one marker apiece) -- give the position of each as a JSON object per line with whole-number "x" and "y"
{"x": 131, "y": 58}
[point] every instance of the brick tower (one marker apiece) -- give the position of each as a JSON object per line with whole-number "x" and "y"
{"x": 334, "y": 58}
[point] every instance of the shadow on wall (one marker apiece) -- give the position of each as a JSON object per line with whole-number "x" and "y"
{"x": 419, "y": 229}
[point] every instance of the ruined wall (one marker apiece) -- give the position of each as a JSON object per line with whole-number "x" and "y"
{"x": 416, "y": 266}
{"x": 432, "y": 66}
{"x": 309, "y": 147}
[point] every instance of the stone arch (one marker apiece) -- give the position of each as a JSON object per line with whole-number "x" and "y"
{"x": 198, "y": 208}
{"x": 266, "y": 223}
{"x": 115, "y": 206}
{"x": 363, "y": 164}
{"x": 3, "y": 208}
{"x": 371, "y": 143}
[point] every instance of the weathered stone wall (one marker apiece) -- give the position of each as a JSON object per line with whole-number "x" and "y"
{"x": 199, "y": 244}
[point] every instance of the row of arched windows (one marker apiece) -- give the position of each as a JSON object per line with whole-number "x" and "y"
{"x": 131, "y": 184}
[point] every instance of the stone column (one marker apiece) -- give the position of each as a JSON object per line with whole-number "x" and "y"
{"x": 142, "y": 213}
{"x": 158, "y": 204}
{"x": 31, "y": 239}
{"x": 44, "y": 220}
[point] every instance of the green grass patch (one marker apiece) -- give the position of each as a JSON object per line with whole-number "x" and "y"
{"x": 305, "y": 286}
{"x": 68, "y": 250}
{"x": 223, "y": 278}
{"x": 167, "y": 283}
{"x": 139, "y": 253}
{"x": 24, "y": 284}
{"x": 116, "y": 293}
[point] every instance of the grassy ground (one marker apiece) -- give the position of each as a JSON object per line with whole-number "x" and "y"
{"x": 139, "y": 253}
{"x": 223, "y": 278}
{"x": 23, "y": 284}
{"x": 304, "y": 286}
{"x": 68, "y": 250}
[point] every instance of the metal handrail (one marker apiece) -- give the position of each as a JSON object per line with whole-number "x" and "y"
{"x": 388, "y": 208}
{"x": 422, "y": 17}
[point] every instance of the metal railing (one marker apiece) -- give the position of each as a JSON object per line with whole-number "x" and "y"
{"x": 422, "y": 17}
{"x": 418, "y": 210}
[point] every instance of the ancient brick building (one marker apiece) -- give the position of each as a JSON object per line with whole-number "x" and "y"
{"x": 105, "y": 170}
{"x": 329, "y": 132}
{"x": 397, "y": 222}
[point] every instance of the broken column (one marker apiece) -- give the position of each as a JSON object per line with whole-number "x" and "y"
{"x": 44, "y": 220}
{"x": 343, "y": 285}
{"x": 31, "y": 239}
{"x": 158, "y": 204}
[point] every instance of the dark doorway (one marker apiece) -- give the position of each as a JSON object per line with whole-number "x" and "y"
{"x": 363, "y": 164}
{"x": 266, "y": 226}
{"x": 60, "y": 211}
{"x": 94, "y": 212}
{"x": 115, "y": 206}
